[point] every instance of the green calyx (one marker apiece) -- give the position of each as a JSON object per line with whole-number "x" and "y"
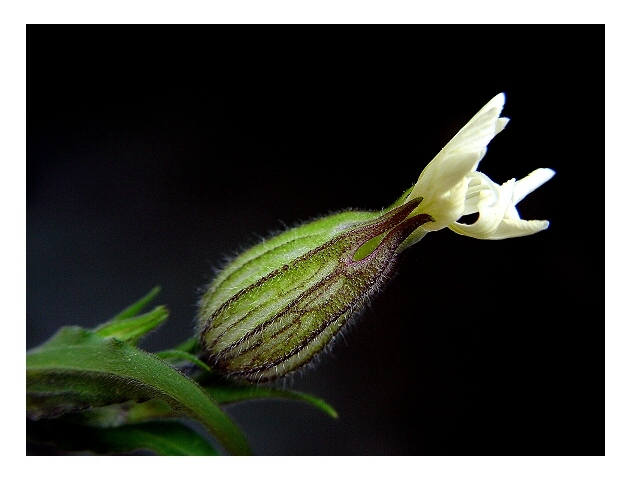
{"x": 279, "y": 304}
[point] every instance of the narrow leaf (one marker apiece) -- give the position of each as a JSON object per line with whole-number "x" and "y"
{"x": 181, "y": 355}
{"x": 189, "y": 346}
{"x": 137, "y": 307}
{"x": 225, "y": 394}
{"x": 131, "y": 329}
{"x": 79, "y": 369}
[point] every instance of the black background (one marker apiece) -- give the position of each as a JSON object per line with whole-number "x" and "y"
{"x": 153, "y": 152}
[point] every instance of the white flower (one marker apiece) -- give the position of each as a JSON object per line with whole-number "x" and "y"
{"x": 452, "y": 187}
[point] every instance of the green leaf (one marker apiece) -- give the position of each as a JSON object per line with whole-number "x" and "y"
{"x": 132, "y": 329}
{"x": 226, "y": 394}
{"x": 161, "y": 437}
{"x": 189, "y": 346}
{"x": 181, "y": 355}
{"x": 137, "y": 307}
{"x": 78, "y": 369}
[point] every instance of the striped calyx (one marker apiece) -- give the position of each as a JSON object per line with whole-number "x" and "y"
{"x": 280, "y": 303}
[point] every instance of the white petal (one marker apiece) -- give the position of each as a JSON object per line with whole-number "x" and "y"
{"x": 511, "y": 213}
{"x": 479, "y": 187}
{"x": 492, "y": 209}
{"x": 481, "y": 128}
{"x": 531, "y": 182}
{"x": 510, "y": 228}
{"x": 498, "y": 217}
{"x": 442, "y": 183}
{"x": 466, "y": 148}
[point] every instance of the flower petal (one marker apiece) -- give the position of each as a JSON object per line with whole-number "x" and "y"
{"x": 466, "y": 148}
{"x": 510, "y": 228}
{"x": 498, "y": 217}
{"x": 492, "y": 209}
{"x": 531, "y": 182}
{"x": 443, "y": 183}
{"x": 479, "y": 187}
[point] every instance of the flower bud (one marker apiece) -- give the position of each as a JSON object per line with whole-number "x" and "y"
{"x": 280, "y": 303}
